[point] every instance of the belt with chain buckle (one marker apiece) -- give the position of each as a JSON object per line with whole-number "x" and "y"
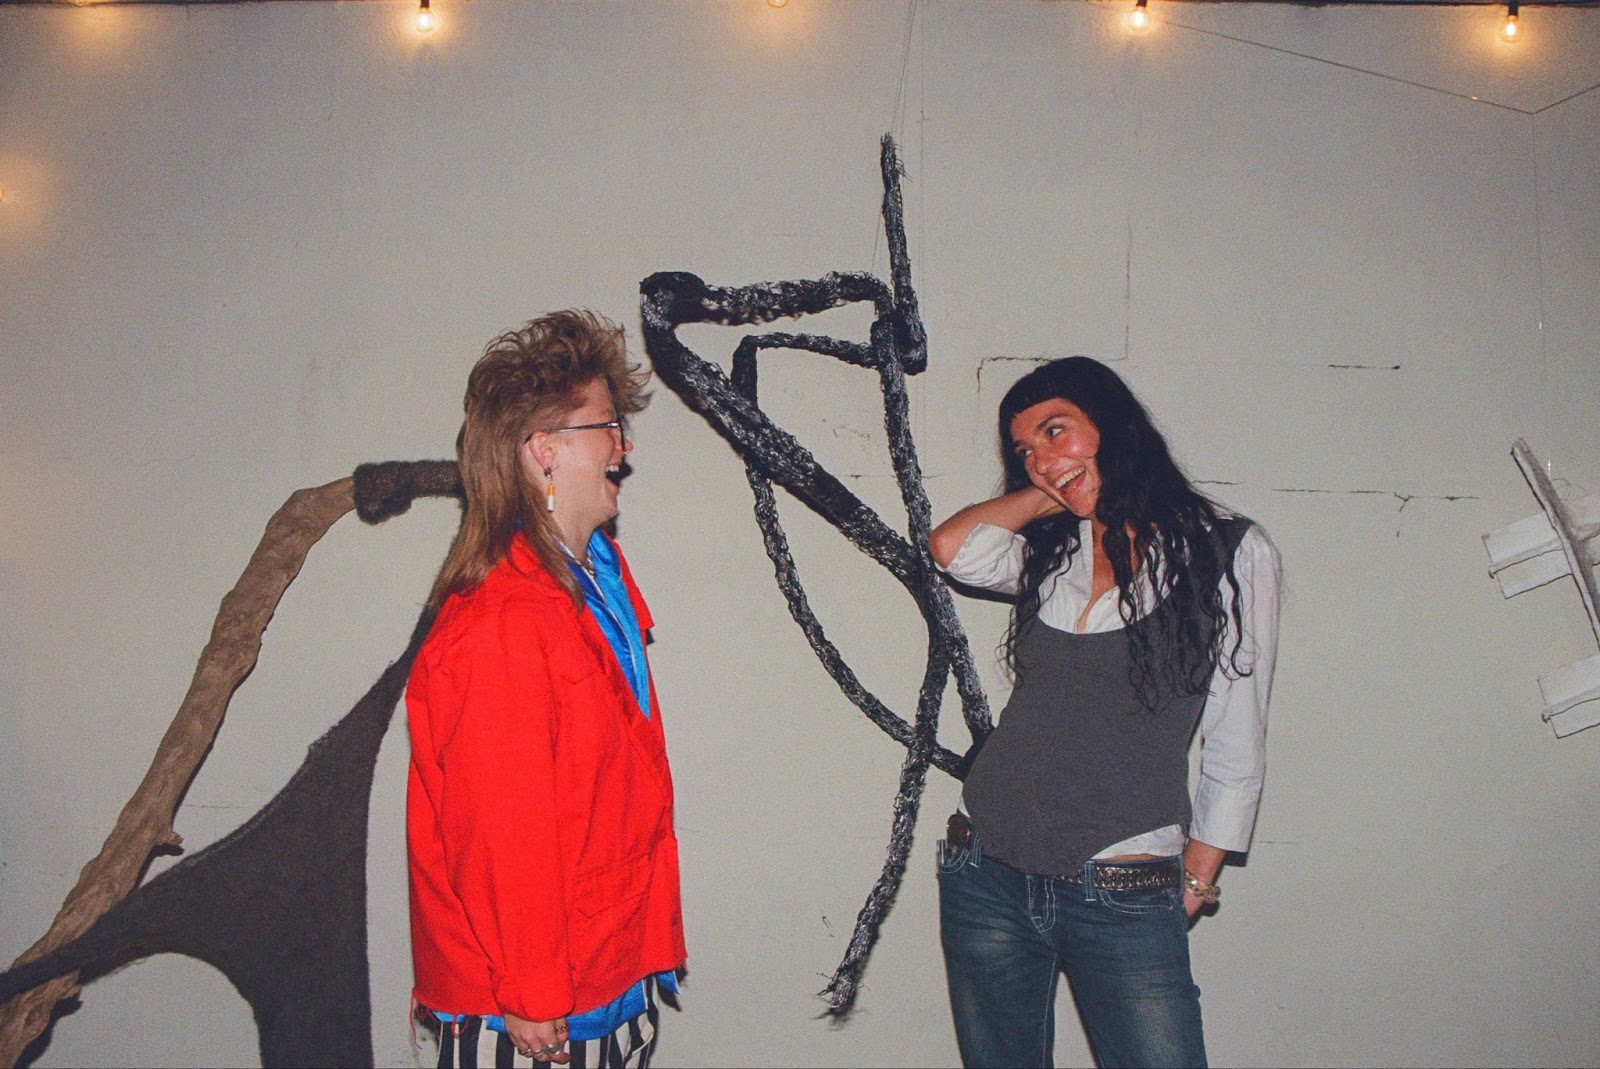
{"x": 1133, "y": 876}
{"x": 1108, "y": 875}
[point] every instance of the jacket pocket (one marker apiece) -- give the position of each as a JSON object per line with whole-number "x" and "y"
{"x": 577, "y": 668}
{"x": 613, "y": 887}
{"x": 607, "y": 930}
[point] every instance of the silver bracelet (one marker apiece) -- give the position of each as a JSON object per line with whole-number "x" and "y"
{"x": 1206, "y": 892}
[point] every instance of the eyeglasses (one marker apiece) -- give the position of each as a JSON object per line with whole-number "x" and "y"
{"x": 608, "y": 425}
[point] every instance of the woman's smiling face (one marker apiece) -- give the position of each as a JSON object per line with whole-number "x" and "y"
{"x": 1057, "y": 444}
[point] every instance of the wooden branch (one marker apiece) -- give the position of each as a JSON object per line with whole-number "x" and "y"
{"x": 146, "y": 822}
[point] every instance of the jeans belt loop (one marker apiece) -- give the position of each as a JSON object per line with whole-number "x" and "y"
{"x": 1088, "y": 880}
{"x": 959, "y": 834}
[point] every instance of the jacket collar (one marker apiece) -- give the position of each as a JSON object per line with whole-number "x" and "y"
{"x": 522, "y": 560}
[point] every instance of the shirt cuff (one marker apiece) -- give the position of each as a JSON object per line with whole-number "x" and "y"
{"x": 1224, "y": 817}
{"x": 991, "y": 558}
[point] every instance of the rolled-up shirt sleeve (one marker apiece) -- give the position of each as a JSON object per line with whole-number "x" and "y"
{"x": 1233, "y": 727}
{"x": 990, "y": 558}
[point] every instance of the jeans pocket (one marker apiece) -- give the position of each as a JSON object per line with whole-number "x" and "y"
{"x": 1139, "y": 903}
{"x": 953, "y": 859}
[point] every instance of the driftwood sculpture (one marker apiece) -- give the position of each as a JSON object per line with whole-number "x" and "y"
{"x": 897, "y": 347}
{"x": 279, "y": 905}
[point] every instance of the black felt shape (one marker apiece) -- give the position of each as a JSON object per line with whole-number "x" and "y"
{"x": 279, "y": 906}
{"x": 385, "y": 489}
{"x": 897, "y": 348}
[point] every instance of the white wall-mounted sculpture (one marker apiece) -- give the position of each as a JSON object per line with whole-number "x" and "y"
{"x": 1534, "y": 551}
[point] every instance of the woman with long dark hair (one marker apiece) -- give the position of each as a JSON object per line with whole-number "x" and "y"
{"x": 1143, "y": 611}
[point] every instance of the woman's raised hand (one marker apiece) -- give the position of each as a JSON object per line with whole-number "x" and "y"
{"x": 1013, "y": 511}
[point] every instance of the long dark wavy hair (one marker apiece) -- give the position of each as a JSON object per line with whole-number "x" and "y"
{"x": 1155, "y": 520}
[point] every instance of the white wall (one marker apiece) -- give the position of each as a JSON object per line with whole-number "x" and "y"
{"x": 243, "y": 249}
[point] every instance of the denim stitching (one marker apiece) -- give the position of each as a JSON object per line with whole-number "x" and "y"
{"x": 1047, "y": 1019}
{"x": 971, "y": 856}
{"x": 947, "y": 853}
{"x": 1111, "y": 901}
{"x": 1041, "y": 903}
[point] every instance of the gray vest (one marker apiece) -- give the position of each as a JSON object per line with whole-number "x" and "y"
{"x": 1078, "y": 762}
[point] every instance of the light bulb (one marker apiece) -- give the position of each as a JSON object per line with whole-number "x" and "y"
{"x": 424, "y": 17}
{"x": 1139, "y": 17}
{"x": 777, "y": 3}
{"x": 1513, "y": 25}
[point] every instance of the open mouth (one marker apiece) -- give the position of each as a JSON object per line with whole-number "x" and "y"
{"x": 1066, "y": 481}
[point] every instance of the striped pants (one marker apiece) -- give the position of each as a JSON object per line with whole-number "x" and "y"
{"x": 469, "y": 1045}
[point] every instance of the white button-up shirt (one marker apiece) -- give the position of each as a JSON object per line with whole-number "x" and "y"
{"x": 1233, "y": 724}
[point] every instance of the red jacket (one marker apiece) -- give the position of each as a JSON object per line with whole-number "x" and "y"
{"x": 544, "y": 870}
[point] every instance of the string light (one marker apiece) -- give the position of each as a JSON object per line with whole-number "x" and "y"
{"x": 777, "y": 3}
{"x": 1139, "y": 17}
{"x": 1513, "y": 26}
{"x": 424, "y": 17}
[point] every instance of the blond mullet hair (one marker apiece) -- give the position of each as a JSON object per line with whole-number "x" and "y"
{"x": 527, "y": 380}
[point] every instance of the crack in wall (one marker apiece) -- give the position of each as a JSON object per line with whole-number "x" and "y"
{"x": 986, "y": 361}
{"x": 1404, "y": 499}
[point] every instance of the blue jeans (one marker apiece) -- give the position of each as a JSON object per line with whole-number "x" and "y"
{"x": 1007, "y": 938}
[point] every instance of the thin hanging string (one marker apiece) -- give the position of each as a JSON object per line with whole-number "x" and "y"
{"x": 922, "y": 185}
{"x": 897, "y": 116}
{"x": 1538, "y": 232}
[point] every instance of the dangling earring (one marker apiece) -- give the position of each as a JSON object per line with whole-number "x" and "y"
{"x": 549, "y": 491}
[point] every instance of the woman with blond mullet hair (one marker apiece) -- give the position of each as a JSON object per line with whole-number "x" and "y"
{"x": 544, "y": 869}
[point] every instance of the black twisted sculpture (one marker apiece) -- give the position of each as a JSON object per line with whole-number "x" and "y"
{"x": 897, "y": 348}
